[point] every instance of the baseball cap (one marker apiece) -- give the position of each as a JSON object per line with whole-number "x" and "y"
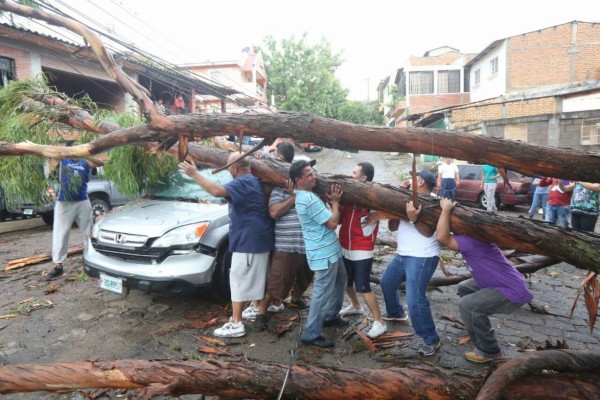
{"x": 298, "y": 166}
{"x": 428, "y": 177}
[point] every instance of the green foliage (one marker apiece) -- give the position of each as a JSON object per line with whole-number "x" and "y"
{"x": 22, "y": 176}
{"x": 134, "y": 170}
{"x": 131, "y": 168}
{"x": 302, "y": 77}
{"x": 360, "y": 112}
{"x": 21, "y": 119}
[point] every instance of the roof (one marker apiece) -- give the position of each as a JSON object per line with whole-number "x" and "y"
{"x": 159, "y": 71}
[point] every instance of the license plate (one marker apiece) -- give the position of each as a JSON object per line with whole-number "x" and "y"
{"x": 110, "y": 283}
{"x": 28, "y": 211}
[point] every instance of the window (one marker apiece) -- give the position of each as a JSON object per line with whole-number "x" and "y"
{"x": 494, "y": 66}
{"x": 590, "y": 132}
{"x": 477, "y": 77}
{"x": 421, "y": 82}
{"x": 8, "y": 71}
{"x": 449, "y": 81}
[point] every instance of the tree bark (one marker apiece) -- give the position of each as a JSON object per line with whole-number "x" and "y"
{"x": 554, "y": 360}
{"x": 264, "y": 380}
{"x": 517, "y": 156}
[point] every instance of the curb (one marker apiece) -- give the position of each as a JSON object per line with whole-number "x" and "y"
{"x": 13, "y": 226}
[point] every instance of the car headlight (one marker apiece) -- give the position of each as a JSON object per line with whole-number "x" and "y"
{"x": 188, "y": 234}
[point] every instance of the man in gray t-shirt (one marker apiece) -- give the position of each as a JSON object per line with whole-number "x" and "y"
{"x": 289, "y": 267}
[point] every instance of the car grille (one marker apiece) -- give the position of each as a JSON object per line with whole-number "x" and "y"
{"x": 123, "y": 239}
{"x": 128, "y": 247}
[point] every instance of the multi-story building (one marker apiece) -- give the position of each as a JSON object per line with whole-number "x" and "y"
{"x": 541, "y": 87}
{"x": 434, "y": 81}
{"x": 246, "y": 75}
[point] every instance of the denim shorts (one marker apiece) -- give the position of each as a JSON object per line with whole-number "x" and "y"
{"x": 359, "y": 274}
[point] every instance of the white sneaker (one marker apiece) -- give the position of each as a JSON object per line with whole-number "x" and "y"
{"x": 275, "y": 309}
{"x": 377, "y": 329}
{"x": 350, "y": 310}
{"x": 230, "y": 329}
{"x": 250, "y": 312}
{"x": 540, "y": 211}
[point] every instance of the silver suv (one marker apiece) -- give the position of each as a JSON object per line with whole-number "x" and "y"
{"x": 173, "y": 240}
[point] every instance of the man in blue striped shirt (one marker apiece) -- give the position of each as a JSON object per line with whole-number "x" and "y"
{"x": 323, "y": 252}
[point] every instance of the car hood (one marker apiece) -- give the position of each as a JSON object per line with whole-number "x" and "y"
{"x": 155, "y": 217}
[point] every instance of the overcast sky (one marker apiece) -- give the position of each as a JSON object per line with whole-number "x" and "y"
{"x": 375, "y": 36}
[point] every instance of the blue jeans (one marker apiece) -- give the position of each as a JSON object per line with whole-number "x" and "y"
{"x": 539, "y": 201}
{"x": 327, "y": 298}
{"x": 560, "y": 215}
{"x": 417, "y": 272}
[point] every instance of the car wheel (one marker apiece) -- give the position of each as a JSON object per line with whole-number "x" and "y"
{"x": 483, "y": 201}
{"x": 221, "y": 286}
{"x": 99, "y": 207}
{"x": 48, "y": 218}
{"x": 3, "y": 215}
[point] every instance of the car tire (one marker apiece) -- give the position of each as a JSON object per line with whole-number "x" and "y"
{"x": 483, "y": 201}
{"x": 221, "y": 288}
{"x": 4, "y": 215}
{"x": 48, "y": 218}
{"x": 99, "y": 207}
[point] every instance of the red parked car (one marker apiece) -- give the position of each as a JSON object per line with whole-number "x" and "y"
{"x": 469, "y": 189}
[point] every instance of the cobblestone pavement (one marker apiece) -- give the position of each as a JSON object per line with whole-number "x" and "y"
{"x": 79, "y": 321}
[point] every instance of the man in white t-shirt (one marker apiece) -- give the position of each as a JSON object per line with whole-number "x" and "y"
{"x": 448, "y": 179}
{"x": 415, "y": 262}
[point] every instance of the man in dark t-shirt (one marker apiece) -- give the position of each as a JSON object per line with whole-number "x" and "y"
{"x": 250, "y": 236}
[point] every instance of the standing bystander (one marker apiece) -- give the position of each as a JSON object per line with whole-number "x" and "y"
{"x": 250, "y": 236}
{"x": 584, "y": 206}
{"x": 540, "y": 198}
{"x": 72, "y": 205}
{"x": 489, "y": 182}
{"x": 448, "y": 178}
{"x": 558, "y": 208}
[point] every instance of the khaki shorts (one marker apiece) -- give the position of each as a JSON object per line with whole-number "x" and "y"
{"x": 248, "y": 276}
{"x": 287, "y": 270}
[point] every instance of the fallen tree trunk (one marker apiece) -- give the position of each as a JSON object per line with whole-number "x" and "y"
{"x": 577, "y": 248}
{"x": 554, "y": 360}
{"x": 264, "y": 380}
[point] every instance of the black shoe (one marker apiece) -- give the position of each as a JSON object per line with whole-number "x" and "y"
{"x": 299, "y": 304}
{"x": 319, "y": 342}
{"x": 54, "y": 273}
{"x": 337, "y": 321}
{"x": 260, "y": 323}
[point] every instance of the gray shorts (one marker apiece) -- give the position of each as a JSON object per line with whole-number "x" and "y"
{"x": 248, "y": 276}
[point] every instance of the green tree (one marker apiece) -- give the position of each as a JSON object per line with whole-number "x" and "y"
{"x": 360, "y": 112}
{"x": 302, "y": 77}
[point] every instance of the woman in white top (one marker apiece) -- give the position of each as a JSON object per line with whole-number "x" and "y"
{"x": 448, "y": 179}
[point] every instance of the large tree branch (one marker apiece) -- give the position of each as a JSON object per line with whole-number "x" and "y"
{"x": 513, "y": 155}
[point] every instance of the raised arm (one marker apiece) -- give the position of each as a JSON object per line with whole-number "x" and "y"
{"x": 443, "y": 235}
{"x": 211, "y": 187}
